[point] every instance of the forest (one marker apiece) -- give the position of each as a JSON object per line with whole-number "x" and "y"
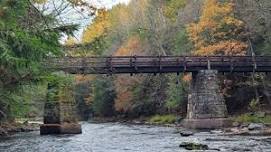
{"x": 30, "y": 33}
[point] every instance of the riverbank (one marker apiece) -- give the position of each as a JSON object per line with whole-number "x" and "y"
{"x": 245, "y": 124}
{"x": 10, "y": 128}
{"x": 156, "y": 120}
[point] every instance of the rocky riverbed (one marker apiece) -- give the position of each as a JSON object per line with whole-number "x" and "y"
{"x": 123, "y": 137}
{"x": 247, "y": 131}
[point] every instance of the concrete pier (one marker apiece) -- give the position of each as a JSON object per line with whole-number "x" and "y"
{"x": 59, "y": 114}
{"x": 206, "y": 107}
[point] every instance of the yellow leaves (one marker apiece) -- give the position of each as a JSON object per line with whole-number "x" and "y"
{"x": 70, "y": 41}
{"x": 40, "y": 1}
{"x": 172, "y": 7}
{"x": 218, "y": 31}
{"x": 124, "y": 15}
{"x": 232, "y": 21}
{"x": 120, "y": 17}
{"x": 98, "y": 28}
{"x": 83, "y": 78}
{"x": 230, "y": 47}
{"x": 214, "y": 14}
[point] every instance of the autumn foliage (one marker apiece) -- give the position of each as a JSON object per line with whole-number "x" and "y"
{"x": 131, "y": 47}
{"x": 98, "y": 28}
{"x": 125, "y": 84}
{"x": 218, "y": 32}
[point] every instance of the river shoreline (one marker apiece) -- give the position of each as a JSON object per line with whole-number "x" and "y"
{"x": 237, "y": 129}
{"x": 10, "y": 128}
{"x": 134, "y": 121}
{"x": 121, "y": 137}
{"x": 240, "y": 129}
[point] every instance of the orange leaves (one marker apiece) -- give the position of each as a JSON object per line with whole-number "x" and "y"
{"x": 187, "y": 78}
{"x": 125, "y": 86}
{"x": 218, "y": 32}
{"x": 83, "y": 78}
{"x": 223, "y": 48}
{"x": 131, "y": 47}
{"x": 233, "y": 21}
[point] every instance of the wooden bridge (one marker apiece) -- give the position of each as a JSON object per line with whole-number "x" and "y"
{"x": 158, "y": 64}
{"x": 205, "y": 78}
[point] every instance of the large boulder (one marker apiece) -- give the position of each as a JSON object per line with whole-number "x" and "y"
{"x": 193, "y": 146}
{"x": 3, "y": 132}
{"x": 186, "y": 133}
{"x": 256, "y": 126}
{"x": 65, "y": 128}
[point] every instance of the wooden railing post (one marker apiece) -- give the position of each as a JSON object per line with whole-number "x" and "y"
{"x": 254, "y": 62}
{"x": 208, "y": 63}
{"x": 109, "y": 65}
{"x": 83, "y": 65}
{"x": 131, "y": 64}
{"x": 184, "y": 64}
{"x": 160, "y": 66}
{"x": 135, "y": 63}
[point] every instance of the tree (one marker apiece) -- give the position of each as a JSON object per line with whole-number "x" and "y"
{"x": 26, "y": 38}
{"x": 98, "y": 28}
{"x": 176, "y": 94}
{"x": 172, "y": 7}
{"x": 256, "y": 15}
{"x": 104, "y": 96}
{"x": 218, "y": 31}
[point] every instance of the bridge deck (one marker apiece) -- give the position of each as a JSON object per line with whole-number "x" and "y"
{"x": 159, "y": 64}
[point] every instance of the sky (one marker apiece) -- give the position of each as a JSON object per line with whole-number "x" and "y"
{"x": 85, "y": 20}
{"x": 75, "y": 15}
{"x": 108, "y": 3}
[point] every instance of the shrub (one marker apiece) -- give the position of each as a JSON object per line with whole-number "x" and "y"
{"x": 163, "y": 119}
{"x": 104, "y": 96}
{"x": 252, "y": 118}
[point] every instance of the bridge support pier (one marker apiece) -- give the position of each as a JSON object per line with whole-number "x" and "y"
{"x": 206, "y": 106}
{"x": 59, "y": 115}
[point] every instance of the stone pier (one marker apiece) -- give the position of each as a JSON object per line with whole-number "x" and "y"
{"x": 59, "y": 114}
{"x": 206, "y": 106}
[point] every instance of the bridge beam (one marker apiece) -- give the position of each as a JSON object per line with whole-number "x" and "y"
{"x": 206, "y": 106}
{"x": 59, "y": 115}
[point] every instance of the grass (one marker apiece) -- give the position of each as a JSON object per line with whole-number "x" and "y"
{"x": 163, "y": 119}
{"x": 252, "y": 118}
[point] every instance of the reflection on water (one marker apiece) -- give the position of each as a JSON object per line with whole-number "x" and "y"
{"x": 115, "y": 137}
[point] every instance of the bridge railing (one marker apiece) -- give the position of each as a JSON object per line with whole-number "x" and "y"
{"x": 135, "y": 62}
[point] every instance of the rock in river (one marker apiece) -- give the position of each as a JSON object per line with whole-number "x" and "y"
{"x": 193, "y": 146}
{"x": 255, "y": 126}
{"x": 3, "y": 132}
{"x": 186, "y": 133}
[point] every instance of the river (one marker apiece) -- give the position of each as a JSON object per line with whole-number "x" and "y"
{"x": 117, "y": 137}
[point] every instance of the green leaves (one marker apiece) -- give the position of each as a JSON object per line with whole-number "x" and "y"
{"x": 172, "y": 7}
{"x": 26, "y": 38}
{"x": 176, "y": 93}
{"x": 104, "y": 96}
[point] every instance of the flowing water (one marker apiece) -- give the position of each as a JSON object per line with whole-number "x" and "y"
{"x": 116, "y": 137}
